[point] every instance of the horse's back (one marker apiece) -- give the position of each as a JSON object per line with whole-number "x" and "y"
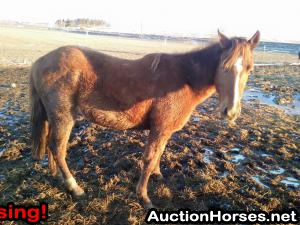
{"x": 107, "y": 90}
{"x": 110, "y": 91}
{"x": 90, "y": 66}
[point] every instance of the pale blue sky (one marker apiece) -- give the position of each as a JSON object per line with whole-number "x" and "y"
{"x": 277, "y": 20}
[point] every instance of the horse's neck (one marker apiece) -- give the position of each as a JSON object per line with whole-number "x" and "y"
{"x": 200, "y": 68}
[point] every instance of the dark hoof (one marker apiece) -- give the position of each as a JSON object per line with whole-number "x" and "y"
{"x": 148, "y": 205}
{"x": 59, "y": 178}
{"x": 158, "y": 176}
{"x": 132, "y": 195}
{"x": 78, "y": 193}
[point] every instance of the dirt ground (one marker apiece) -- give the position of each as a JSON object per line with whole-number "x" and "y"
{"x": 254, "y": 165}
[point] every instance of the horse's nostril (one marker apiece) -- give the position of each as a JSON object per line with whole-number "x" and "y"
{"x": 225, "y": 111}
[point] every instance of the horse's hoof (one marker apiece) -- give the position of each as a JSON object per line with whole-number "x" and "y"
{"x": 78, "y": 193}
{"x": 148, "y": 205}
{"x": 158, "y": 176}
{"x": 132, "y": 195}
{"x": 59, "y": 178}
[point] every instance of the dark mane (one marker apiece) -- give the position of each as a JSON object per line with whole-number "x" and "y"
{"x": 200, "y": 65}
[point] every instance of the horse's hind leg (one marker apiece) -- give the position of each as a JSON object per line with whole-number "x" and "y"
{"x": 61, "y": 127}
{"x": 54, "y": 170}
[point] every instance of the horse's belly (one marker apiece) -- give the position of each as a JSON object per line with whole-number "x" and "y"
{"x": 111, "y": 119}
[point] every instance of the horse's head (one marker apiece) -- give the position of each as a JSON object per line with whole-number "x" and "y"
{"x": 236, "y": 63}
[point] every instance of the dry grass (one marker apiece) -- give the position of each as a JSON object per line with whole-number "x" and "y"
{"x": 17, "y": 44}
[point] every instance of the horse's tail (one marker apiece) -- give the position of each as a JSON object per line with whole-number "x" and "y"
{"x": 39, "y": 122}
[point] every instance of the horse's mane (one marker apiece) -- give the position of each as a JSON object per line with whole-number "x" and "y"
{"x": 238, "y": 47}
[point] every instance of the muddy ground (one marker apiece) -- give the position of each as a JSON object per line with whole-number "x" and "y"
{"x": 252, "y": 166}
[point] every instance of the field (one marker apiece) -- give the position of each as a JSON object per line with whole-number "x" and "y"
{"x": 252, "y": 166}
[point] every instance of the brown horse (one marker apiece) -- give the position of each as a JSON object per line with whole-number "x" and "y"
{"x": 157, "y": 92}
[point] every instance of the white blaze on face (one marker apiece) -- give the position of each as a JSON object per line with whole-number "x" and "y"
{"x": 239, "y": 67}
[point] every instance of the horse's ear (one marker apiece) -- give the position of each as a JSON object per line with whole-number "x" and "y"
{"x": 224, "y": 41}
{"x": 254, "y": 40}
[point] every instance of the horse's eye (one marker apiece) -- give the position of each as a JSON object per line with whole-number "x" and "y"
{"x": 249, "y": 69}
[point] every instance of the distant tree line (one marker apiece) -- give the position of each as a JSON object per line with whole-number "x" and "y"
{"x": 81, "y": 22}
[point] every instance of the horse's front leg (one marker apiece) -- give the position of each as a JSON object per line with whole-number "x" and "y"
{"x": 156, "y": 144}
